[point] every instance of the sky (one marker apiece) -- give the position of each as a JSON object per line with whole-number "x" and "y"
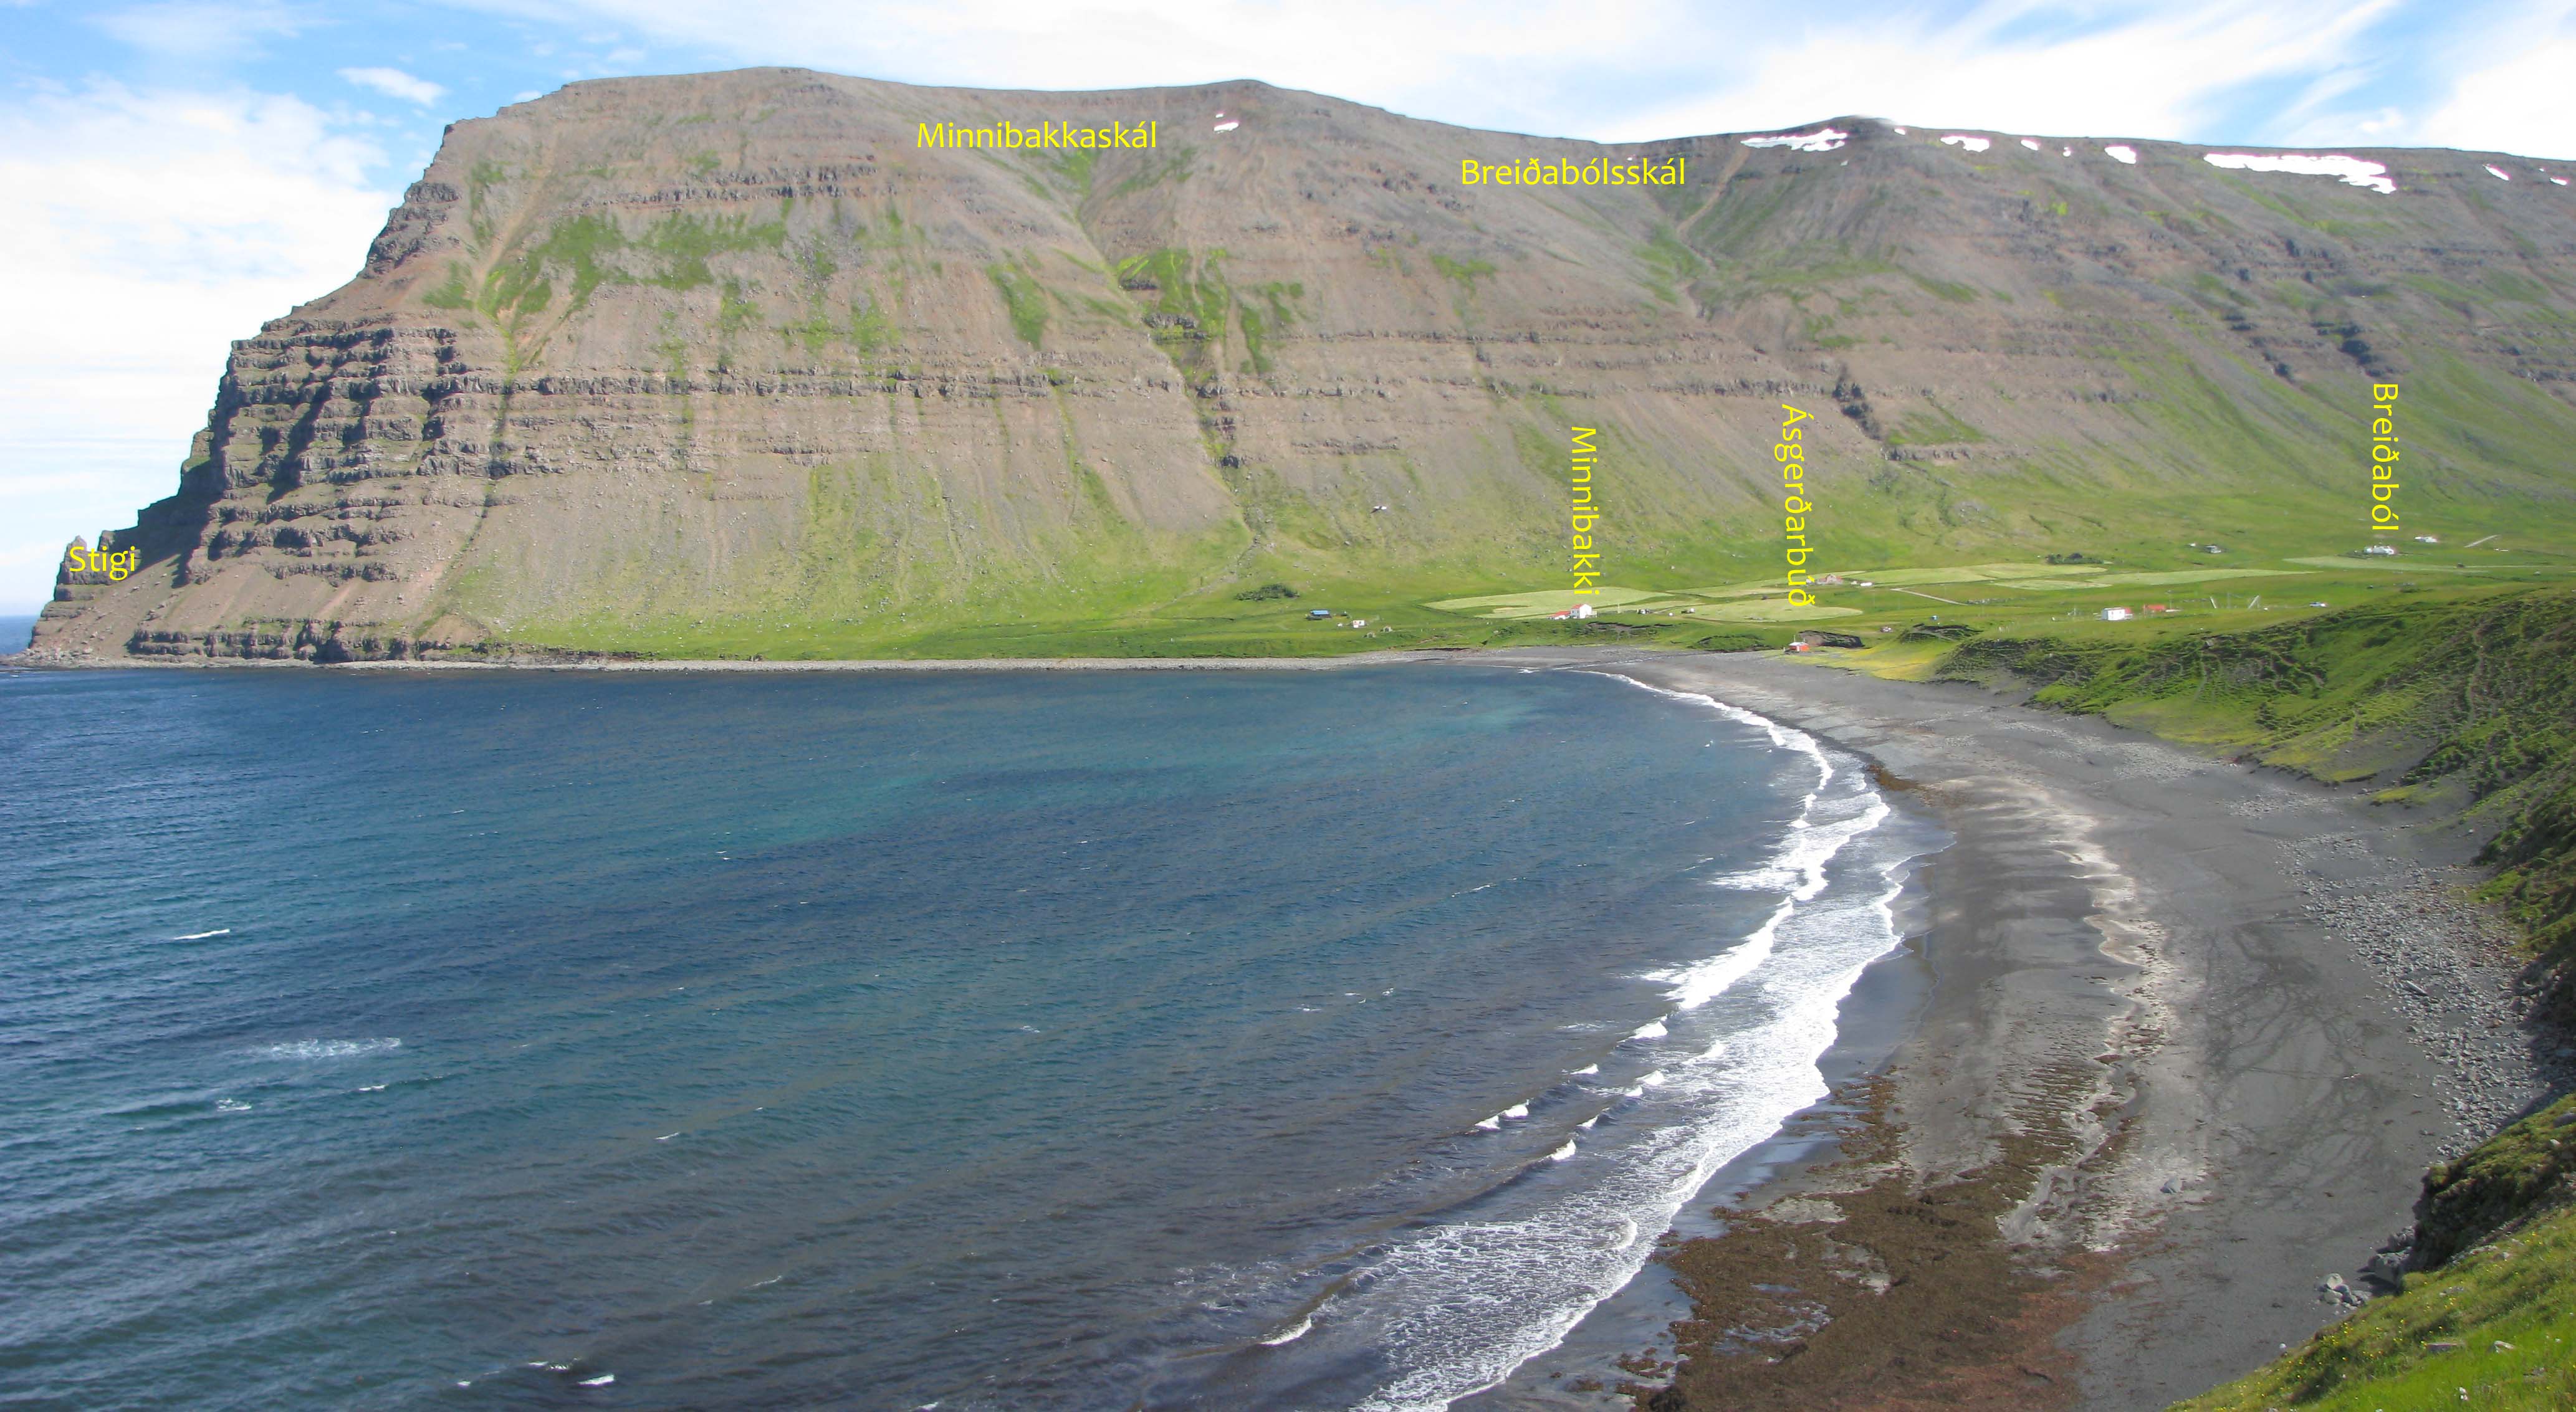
{"x": 178, "y": 172}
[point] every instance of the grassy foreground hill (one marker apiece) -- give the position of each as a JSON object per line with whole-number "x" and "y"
{"x": 732, "y": 365}
{"x": 2492, "y": 1327}
{"x": 2461, "y": 699}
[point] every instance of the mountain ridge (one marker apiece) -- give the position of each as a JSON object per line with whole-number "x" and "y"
{"x": 670, "y": 365}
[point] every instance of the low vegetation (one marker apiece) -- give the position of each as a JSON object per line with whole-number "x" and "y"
{"x": 2461, "y": 700}
{"x": 2464, "y": 700}
{"x": 2493, "y": 1327}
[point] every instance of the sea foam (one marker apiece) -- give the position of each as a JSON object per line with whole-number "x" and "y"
{"x": 326, "y": 1048}
{"x": 1290, "y": 1334}
{"x": 1459, "y": 1307}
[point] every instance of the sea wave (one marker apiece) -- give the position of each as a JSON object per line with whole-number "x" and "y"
{"x": 326, "y": 1048}
{"x": 1290, "y": 1334}
{"x": 1459, "y": 1307}
{"x": 1802, "y": 869}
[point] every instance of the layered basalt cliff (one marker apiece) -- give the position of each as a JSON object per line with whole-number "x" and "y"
{"x": 650, "y": 359}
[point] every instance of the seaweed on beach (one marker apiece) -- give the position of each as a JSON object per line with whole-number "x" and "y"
{"x": 1882, "y": 1287}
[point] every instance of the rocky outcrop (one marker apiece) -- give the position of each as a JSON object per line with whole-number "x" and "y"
{"x": 648, "y": 359}
{"x": 2527, "y": 1168}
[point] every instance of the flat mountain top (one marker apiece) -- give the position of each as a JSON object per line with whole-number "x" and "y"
{"x": 784, "y": 362}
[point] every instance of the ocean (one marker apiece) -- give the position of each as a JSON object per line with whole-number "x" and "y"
{"x": 958, "y": 1040}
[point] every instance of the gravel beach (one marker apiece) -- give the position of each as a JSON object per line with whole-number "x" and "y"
{"x": 2191, "y": 1032}
{"x": 2194, "y": 1031}
{"x": 2286, "y": 996}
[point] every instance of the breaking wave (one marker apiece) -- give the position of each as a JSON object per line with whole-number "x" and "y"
{"x": 1455, "y": 1306}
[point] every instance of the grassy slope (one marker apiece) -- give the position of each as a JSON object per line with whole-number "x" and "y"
{"x": 2458, "y": 696}
{"x": 2464, "y": 698}
{"x": 2495, "y": 1327}
{"x": 2216, "y": 447}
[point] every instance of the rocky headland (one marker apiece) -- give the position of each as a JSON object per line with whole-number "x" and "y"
{"x": 654, "y": 365}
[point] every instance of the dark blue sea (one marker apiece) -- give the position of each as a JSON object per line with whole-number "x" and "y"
{"x": 972, "y": 1040}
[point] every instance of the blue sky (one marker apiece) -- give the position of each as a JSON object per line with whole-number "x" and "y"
{"x": 181, "y": 171}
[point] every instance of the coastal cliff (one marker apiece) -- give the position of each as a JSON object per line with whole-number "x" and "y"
{"x": 671, "y": 366}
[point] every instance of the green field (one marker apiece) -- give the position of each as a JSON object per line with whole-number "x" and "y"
{"x": 2146, "y": 580}
{"x": 2406, "y": 565}
{"x": 1539, "y": 603}
{"x": 1446, "y": 606}
{"x": 1717, "y": 606}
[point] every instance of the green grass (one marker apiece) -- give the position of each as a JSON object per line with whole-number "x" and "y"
{"x": 2461, "y": 696}
{"x": 1189, "y": 304}
{"x": 1211, "y": 629}
{"x": 588, "y": 251}
{"x": 2177, "y": 576}
{"x": 1776, "y": 610}
{"x": 1944, "y": 290}
{"x": 1932, "y": 425}
{"x": 682, "y": 245}
{"x": 1611, "y": 600}
{"x": 1463, "y": 273}
{"x": 1539, "y": 602}
{"x": 2493, "y": 1328}
{"x": 857, "y": 585}
{"x": 456, "y": 293}
{"x": 1153, "y": 171}
{"x": 2528, "y": 1166}
{"x": 1970, "y": 573}
{"x": 2411, "y": 564}
{"x": 1026, "y": 300}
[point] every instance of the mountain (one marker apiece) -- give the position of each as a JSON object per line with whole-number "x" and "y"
{"x": 708, "y": 364}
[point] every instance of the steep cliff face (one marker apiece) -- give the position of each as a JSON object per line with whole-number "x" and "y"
{"x": 647, "y": 360}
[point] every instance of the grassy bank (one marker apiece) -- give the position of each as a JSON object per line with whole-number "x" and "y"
{"x": 2464, "y": 702}
{"x": 2494, "y": 1326}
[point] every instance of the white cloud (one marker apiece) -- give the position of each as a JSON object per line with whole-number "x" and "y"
{"x": 2000, "y": 68}
{"x": 2146, "y": 68}
{"x": 394, "y": 83}
{"x": 196, "y": 31}
{"x": 2520, "y": 103}
{"x": 145, "y": 231}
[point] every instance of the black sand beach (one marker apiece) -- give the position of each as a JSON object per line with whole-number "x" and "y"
{"x": 2189, "y": 1032}
{"x": 2170, "y": 1063}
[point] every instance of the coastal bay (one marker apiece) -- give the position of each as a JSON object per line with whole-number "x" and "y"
{"x": 1221, "y": 1039}
{"x": 2158, "y": 1053}
{"x": 2168, "y": 1014}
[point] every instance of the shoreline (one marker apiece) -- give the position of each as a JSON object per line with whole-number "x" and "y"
{"x": 2168, "y": 1019}
{"x": 1630, "y": 1334}
{"x": 23, "y": 661}
{"x": 2188, "y": 1033}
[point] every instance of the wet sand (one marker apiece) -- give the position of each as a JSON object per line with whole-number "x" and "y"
{"x": 2157, "y": 1090}
{"x": 2158, "y": 1067}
